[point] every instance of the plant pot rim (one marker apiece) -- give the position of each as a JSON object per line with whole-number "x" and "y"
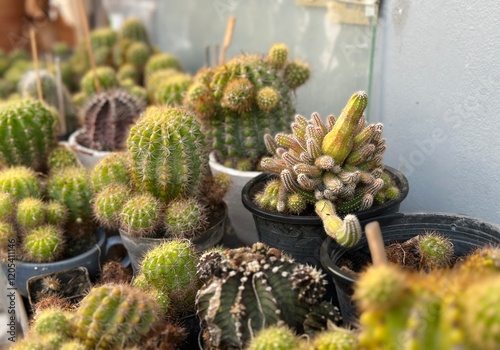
{"x": 399, "y": 177}
{"x": 77, "y": 147}
{"x": 334, "y": 269}
{"x": 214, "y": 163}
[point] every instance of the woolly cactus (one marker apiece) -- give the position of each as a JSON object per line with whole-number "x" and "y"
{"x": 28, "y": 133}
{"x": 275, "y": 338}
{"x": 247, "y": 289}
{"x": 20, "y": 182}
{"x": 43, "y": 244}
{"x": 114, "y": 316}
{"x": 62, "y": 157}
{"x": 241, "y": 101}
{"x": 112, "y": 169}
{"x": 172, "y": 90}
{"x": 134, "y": 30}
{"x": 336, "y": 165}
{"x": 106, "y": 77}
{"x": 30, "y": 213}
{"x": 108, "y": 117}
{"x": 169, "y": 155}
{"x": 140, "y": 215}
{"x": 185, "y": 217}
{"x": 161, "y": 61}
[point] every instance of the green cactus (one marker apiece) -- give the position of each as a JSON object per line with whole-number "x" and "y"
{"x": 275, "y": 338}
{"x": 119, "y": 50}
{"x": 43, "y": 244}
{"x": 138, "y": 92}
{"x": 114, "y": 316}
{"x": 134, "y": 30}
{"x": 108, "y": 117}
{"x": 169, "y": 154}
{"x": 346, "y": 232}
{"x": 296, "y": 73}
{"x": 483, "y": 259}
{"x": 278, "y": 55}
{"x": 240, "y": 101}
{"x": 162, "y": 299}
{"x": 112, "y": 169}
{"x": 172, "y": 90}
{"x": 56, "y": 213}
{"x": 79, "y": 99}
{"x": 8, "y": 238}
{"x": 435, "y": 251}
{"x": 335, "y": 339}
{"x": 155, "y": 79}
{"x": 61, "y": 48}
{"x": 106, "y": 77}
{"x": 27, "y": 133}
{"x": 102, "y": 37}
{"x": 73, "y": 345}
{"x": 30, "y": 213}
{"x": 140, "y": 215}
{"x": 53, "y": 321}
{"x": 128, "y": 71}
{"x": 72, "y": 188}
{"x": 108, "y": 204}
{"x": 7, "y": 206}
{"x": 61, "y": 157}
{"x": 161, "y": 61}
{"x": 185, "y": 217}
{"x": 18, "y": 54}
{"x": 247, "y": 289}
{"x": 20, "y": 182}
{"x": 138, "y": 54}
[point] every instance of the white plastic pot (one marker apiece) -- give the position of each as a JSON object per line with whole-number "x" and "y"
{"x": 87, "y": 156}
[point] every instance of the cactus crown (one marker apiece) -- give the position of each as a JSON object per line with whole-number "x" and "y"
{"x": 242, "y": 100}
{"x": 134, "y": 30}
{"x": 108, "y": 118}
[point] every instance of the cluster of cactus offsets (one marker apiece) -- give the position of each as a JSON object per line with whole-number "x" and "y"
{"x": 250, "y": 288}
{"x": 244, "y": 99}
{"x": 337, "y": 166}
{"x": 28, "y": 133}
{"x": 61, "y": 157}
{"x": 114, "y": 316}
{"x": 111, "y": 170}
{"x": 108, "y": 117}
{"x": 106, "y": 77}
{"x": 169, "y": 153}
{"x": 20, "y": 182}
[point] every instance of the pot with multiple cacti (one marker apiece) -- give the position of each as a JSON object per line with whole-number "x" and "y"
{"x": 161, "y": 187}
{"x": 321, "y": 180}
{"x": 238, "y": 102}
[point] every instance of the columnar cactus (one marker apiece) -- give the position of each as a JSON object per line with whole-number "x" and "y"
{"x": 28, "y": 130}
{"x": 242, "y": 100}
{"x": 114, "y": 316}
{"x": 20, "y": 182}
{"x": 169, "y": 154}
{"x": 335, "y": 165}
{"x": 247, "y": 289}
{"x": 108, "y": 117}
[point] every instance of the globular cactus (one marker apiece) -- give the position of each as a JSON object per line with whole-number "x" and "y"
{"x": 156, "y": 78}
{"x": 108, "y": 117}
{"x": 62, "y": 157}
{"x": 43, "y": 244}
{"x": 53, "y": 321}
{"x": 72, "y": 188}
{"x": 73, "y": 345}
{"x": 275, "y": 338}
{"x": 102, "y": 37}
{"x": 247, "y": 289}
{"x": 482, "y": 259}
{"x": 28, "y": 129}
{"x": 128, "y": 71}
{"x": 8, "y": 239}
{"x": 435, "y": 251}
{"x": 160, "y": 296}
{"x": 171, "y": 91}
{"x": 335, "y": 165}
{"x": 169, "y": 154}
{"x": 296, "y": 73}
{"x": 30, "y": 213}
{"x": 112, "y": 169}
{"x": 61, "y": 48}
{"x": 114, "y": 316}
{"x": 335, "y": 339}
{"x": 242, "y": 100}
{"x": 185, "y": 217}
{"x": 106, "y": 77}
{"x": 134, "y": 30}
{"x": 20, "y": 182}
{"x": 161, "y": 61}
{"x": 138, "y": 92}
{"x": 7, "y": 206}
{"x": 56, "y": 213}
{"x": 138, "y": 54}
{"x": 140, "y": 215}
{"x": 108, "y": 204}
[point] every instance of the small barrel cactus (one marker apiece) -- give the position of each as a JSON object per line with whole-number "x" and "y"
{"x": 140, "y": 215}
{"x": 7, "y": 206}
{"x": 185, "y": 217}
{"x": 43, "y": 244}
{"x": 161, "y": 61}
{"x": 138, "y": 54}
{"x": 112, "y": 169}
{"x": 435, "y": 251}
{"x": 134, "y": 30}
{"x": 30, "y": 213}
{"x": 128, "y": 71}
{"x": 169, "y": 154}
{"x": 108, "y": 117}
{"x": 172, "y": 90}
{"x": 20, "y": 182}
{"x": 28, "y": 129}
{"x": 335, "y": 339}
{"x": 275, "y": 338}
{"x": 108, "y": 204}
{"x": 114, "y": 316}
{"x": 53, "y": 321}
{"x": 62, "y": 157}
{"x": 106, "y": 77}
{"x": 55, "y": 213}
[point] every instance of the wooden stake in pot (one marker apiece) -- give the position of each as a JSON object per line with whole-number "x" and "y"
{"x": 227, "y": 38}
{"x": 376, "y": 243}
{"x": 83, "y": 18}
{"x": 34, "y": 54}
{"x": 60, "y": 100}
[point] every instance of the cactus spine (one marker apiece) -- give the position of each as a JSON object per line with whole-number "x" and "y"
{"x": 20, "y": 182}
{"x": 43, "y": 244}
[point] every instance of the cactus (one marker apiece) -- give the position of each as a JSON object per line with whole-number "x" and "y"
{"x": 72, "y": 188}
{"x": 140, "y": 215}
{"x": 240, "y": 101}
{"x": 60, "y": 48}
{"x": 73, "y": 345}
{"x": 43, "y": 244}
{"x": 56, "y": 213}
{"x": 171, "y": 91}
{"x": 20, "y": 182}
{"x": 134, "y": 30}
{"x": 169, "y": 155}
{"x": 138, "y": 92}
{"x": 275, "y": 338}
{"x": 335, "y": 165}
{"x": 157, "y": 78}
{"x": 27, "y": 129}
{"x": 61, "y": 157}
{"x": 30, "y": 213}
{"x": 8, "y": 239}
{"x": 435, "y": 251}
{"x": 108, "y": 204}
{"x": 296, "y": 73}
{"x": 137, "y": 54}
{"x": 108, "y": 117}
{"x": 161, "y": 61}
{"x": 52, "y": 321}
{"x": 161, "y": 297}
{"x": 335, "y": 339}
{"x": 102, "y": 37}
{"x": 482, "y": 259}
{"x": 7, "y": 206}
{"x": 247, "y": 289}
{"x": 112, "y": 169}
{"x": 105, "y": 75}
{"x": 128, "y": 71}
{"x": 185, "y": 217}
{"x": 114, "y": 316}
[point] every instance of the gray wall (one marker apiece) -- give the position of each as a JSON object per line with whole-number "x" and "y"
{"x": 436, "y": 72}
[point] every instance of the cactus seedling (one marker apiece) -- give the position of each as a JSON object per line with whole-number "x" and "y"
{"x": 43, "y": 244}
{"x": 20, "y": 182}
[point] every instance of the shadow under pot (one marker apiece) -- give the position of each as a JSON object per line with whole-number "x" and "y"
{"x": 465, "y": 232}
{"x": 301, "y": 236}
{"x": 137, "y": 247}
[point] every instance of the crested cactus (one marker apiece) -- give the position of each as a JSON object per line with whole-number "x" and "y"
{"x": 28, "y": 133}
{"x": 133, "y": 29}
{"x": 112, "y": 169}
{"x": 43, "y": 244}
{"x": 275, "y": 338}
{"x": 114, "y": 316}
{"x": 20, "y": 182}
{"x": 185, "y": 217}
{"x": 108, "y": 117}
{"x": 30, "y": 213}
{"x": 106, "y": 77}
{"x": 335, "y": 165}
{"x": 169, "y": 155}
{"x": 242, "y": 100}
{"x": 247, "y": 289}
{"x": 140, "y": 215}
{"x": 62, "y": 157}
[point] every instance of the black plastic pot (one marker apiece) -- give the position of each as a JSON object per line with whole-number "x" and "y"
{"x": 466, "y": 233}
{"x": 302, "y": 236}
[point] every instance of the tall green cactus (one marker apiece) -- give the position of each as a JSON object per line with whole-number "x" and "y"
{"x": 27, "y": 133}
{"x": 169, "y": 154}
{"x": 242, "y": 100}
